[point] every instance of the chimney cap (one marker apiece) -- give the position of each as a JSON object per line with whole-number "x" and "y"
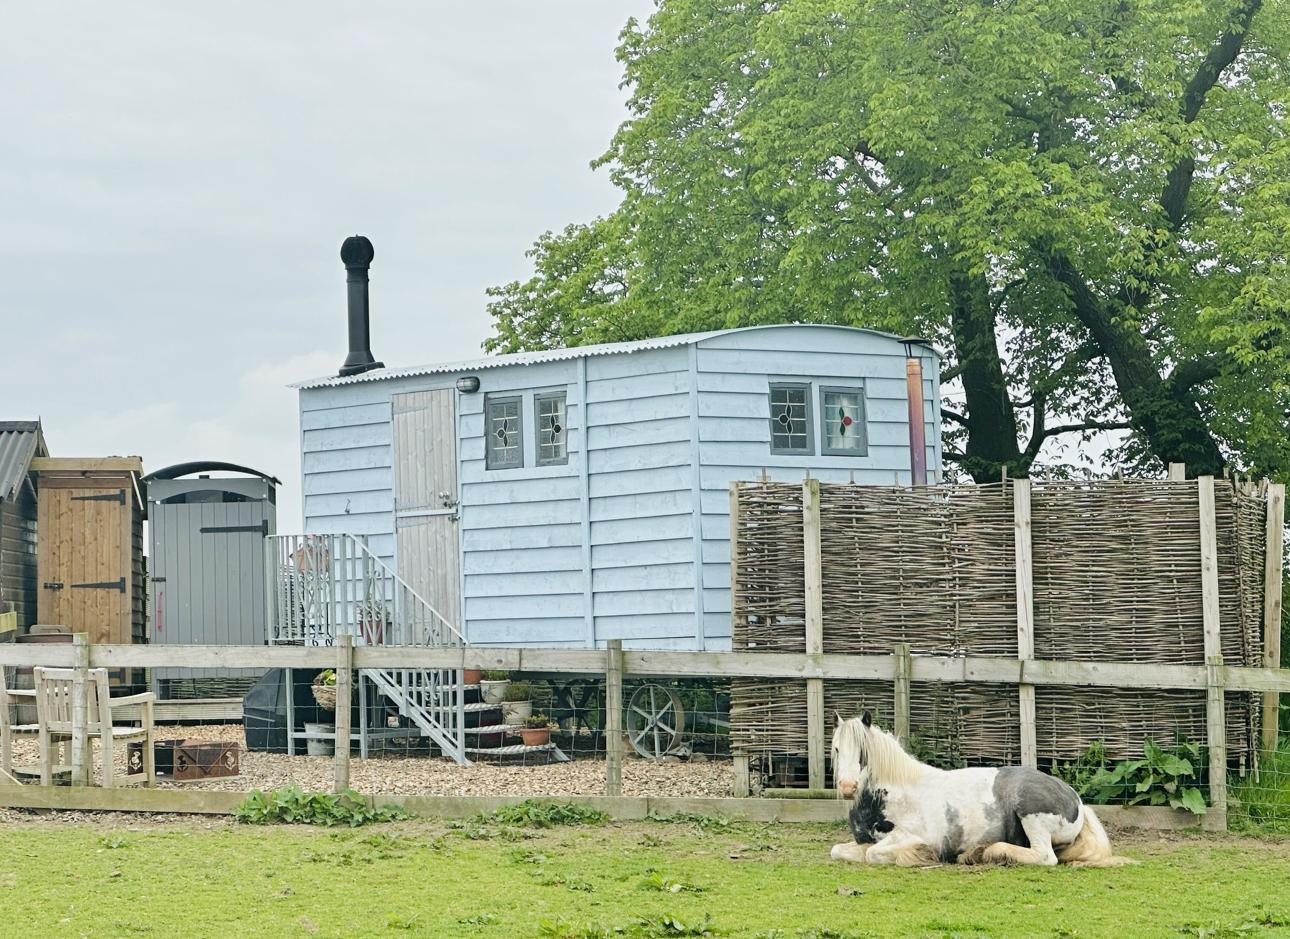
{"x": 357, "y": 251}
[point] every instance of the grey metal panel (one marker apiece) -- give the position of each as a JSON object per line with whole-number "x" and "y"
{"x": 208, "y": 567}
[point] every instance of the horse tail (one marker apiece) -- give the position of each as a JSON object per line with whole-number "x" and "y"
{"x": 1091, "y": 848}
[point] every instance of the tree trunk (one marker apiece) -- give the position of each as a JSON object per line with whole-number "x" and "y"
{"x": 991, "y": 422}
{"x": 1165, "y": 413}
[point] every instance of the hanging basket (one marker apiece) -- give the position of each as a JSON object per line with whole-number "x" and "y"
{"x": 324, "y": 694}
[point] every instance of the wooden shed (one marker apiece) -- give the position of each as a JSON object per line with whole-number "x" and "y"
{"x": 90, "y": 560}
{"x": 579, "y": 495}
{"x": 20, "y": 443}
{"x": 208, "y": 567}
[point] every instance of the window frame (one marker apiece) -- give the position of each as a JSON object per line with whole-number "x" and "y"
{"x": 490, "y": 448}
{"x": 538, "y": 398}
{"x": 857, "y": 389}
{"x": 806, "y": 387}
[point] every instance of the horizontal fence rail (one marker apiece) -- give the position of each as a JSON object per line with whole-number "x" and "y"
{"x": 923, "y": 668}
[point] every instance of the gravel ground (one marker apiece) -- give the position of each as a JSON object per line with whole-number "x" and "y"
{"x": 421, "y": 775}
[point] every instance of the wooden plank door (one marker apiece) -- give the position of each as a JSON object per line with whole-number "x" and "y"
{"x": 84, "y": 559}
{"x": 427, "y": 549}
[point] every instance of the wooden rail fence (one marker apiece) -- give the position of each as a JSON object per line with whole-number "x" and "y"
{"x": 615, "y": 663}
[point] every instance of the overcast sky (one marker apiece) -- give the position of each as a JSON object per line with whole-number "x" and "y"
{"x": 176, "y": 180}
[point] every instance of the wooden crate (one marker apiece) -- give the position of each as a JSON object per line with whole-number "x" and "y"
{"x": 186, "y": 760}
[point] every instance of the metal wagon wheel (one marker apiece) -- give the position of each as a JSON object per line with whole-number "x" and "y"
{"x": 655, "y": 721}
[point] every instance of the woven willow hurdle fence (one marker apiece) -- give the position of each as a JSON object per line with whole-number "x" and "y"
{"x": 1116, "y": 571}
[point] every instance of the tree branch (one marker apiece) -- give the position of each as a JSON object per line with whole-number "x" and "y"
{"x": 1220, "y": 55}
{"x": 1188, "y": 375}
{"x": 954, "y": 416}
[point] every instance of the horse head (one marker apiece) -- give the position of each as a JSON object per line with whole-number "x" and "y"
{"x": 849, "y": 739}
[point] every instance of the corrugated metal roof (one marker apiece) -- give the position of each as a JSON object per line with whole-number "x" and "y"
{"x": 20, "y": 441}
{"x": 557, "y": 355}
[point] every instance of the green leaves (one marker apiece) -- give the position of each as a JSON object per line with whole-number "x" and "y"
{"x": 1161, "y": 778}
{"x": 293, "y": 806}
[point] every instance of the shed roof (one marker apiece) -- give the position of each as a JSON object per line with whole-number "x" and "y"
{"x": 565, "y": 354}
{"x": 20, "y": 443}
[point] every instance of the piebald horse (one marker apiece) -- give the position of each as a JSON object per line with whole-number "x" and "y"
{"x": 907, "y": 813}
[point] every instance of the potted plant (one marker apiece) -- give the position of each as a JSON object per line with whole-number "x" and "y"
{"x": 492, "y": 687}
{"x": 516, "y": 706}
{"x": 324, "y": 689}
{"x": 537, "y": 730}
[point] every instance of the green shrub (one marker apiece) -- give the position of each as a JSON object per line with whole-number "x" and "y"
{"x": 496, "y": 675}
{"x": 293, "y": 806}
{"x": 538, "y": 813}
{"x": 1080, "y": 773}
{"x": 1161, "y": 778}
{"x": 518, "y": 691}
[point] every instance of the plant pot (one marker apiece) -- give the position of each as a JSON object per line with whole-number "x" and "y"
{"x": 535, "y": 736}
{"x": 320, "y": 747}
{"x": 494, "y": 691}
{"x": 515, "y": 712}
{"x": 325, "y": 695}
{"x": 471, "y": 676}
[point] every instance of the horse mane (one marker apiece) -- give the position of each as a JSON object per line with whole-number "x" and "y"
{"x": 886, "y": 762}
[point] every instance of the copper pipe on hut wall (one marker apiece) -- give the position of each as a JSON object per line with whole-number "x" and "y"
{"x": 917, "y": 429}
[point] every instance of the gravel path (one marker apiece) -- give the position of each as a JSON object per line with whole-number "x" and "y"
{"x": 421, "y": 775}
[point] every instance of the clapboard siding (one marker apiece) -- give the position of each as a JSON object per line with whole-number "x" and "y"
{"x": 630, "y": 539}
{"x": 18, "y": 556}
{"x": 734, "y": 374}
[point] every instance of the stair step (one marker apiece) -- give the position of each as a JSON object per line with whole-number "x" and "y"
{"x": 482, "y": 706}
{"x": 495, "y": 729}
{"x": 518, "y": 749}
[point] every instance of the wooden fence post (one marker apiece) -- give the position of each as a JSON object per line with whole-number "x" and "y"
{"x": 82, "y": 757}
{"x": 1025, "y": 618}
{"x": 814, "y": 572}
{"x": 344, "y": 673}
{"x": 904, "y": 672}
{"x": 741, "y": 784}
{"x": 1273, "y": 563}
{"x": 1177, "y": 472}
{"x": 614, "y": 717}
{"x": 1215, "y": 706}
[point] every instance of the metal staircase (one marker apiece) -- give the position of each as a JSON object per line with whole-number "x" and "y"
{"x": 326, "y": 586}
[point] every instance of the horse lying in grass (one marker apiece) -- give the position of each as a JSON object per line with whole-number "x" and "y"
{"x": 907, "y": 813}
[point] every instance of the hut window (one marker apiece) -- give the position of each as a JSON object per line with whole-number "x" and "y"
{"x": 552, "y": 435}
{"x": 790, "y": 418}
{"x": 842, "y": 423}
{"x": 504, "y": 433}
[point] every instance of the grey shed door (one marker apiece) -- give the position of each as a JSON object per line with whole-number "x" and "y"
{"x": 207, "y": 575}
{"x": 425, "y": 498}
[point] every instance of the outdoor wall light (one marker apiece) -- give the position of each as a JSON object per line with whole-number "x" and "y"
{"x": 468, "y": 384}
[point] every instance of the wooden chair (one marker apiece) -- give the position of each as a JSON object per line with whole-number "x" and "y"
{"x": 56, "y": 699}
{"x": 10, "y": 729}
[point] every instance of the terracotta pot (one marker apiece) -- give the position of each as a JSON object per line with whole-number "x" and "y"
{"x": 535, "y": 736}
{"x": 471, "y": 676}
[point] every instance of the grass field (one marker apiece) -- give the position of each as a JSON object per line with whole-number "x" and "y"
{"x": 126, "y": 877}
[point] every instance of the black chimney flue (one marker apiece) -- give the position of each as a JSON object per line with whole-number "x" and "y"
{"x": 357, "y": 253}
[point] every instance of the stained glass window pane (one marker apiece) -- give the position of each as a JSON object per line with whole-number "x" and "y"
{"x": 790, "y": 418}
{"x": 552, "y": 435}
{"x": 503, "y": 433}
{"x": 842, "y": 425}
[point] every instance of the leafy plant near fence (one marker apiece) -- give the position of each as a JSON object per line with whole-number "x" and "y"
{"x": 1161, "y": 777}
{"x": 294, "y": 806}
{"x": 539, "y": 813}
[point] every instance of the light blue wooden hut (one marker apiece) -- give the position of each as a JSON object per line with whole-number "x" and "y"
{"x": 570, "y": 497}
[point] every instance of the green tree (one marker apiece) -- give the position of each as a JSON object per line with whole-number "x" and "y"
{"x": 1086, "y": 203}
